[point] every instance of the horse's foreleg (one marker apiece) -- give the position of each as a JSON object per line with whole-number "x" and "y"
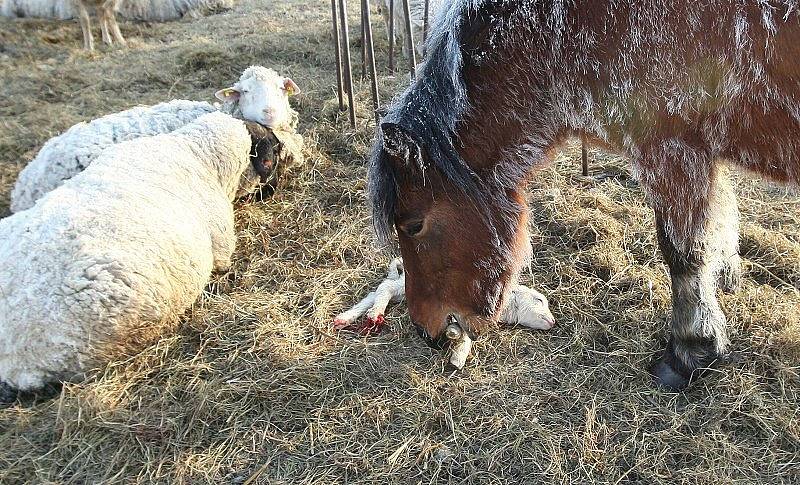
{"x": 697, "y": 266}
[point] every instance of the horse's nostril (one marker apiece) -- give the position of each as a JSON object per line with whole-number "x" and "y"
{"x": 437, "y": 343}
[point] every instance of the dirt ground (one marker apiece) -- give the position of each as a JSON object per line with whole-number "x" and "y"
{"x": 256, "y": 388}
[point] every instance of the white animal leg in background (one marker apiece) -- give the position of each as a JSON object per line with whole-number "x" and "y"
{"x": 374, "y": 304}
{"x": 110, "y": 7}
{"x": 103, "y": 15}
{"x": 115, "y": 32}
{"x": 86, "y": 25}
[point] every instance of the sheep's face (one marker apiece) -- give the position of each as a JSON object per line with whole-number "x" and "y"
{"x": 263, "y": 97}
{"x": 265, "y": 147}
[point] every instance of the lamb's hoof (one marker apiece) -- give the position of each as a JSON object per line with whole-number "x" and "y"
{"x": 667, "y": 377}
{"x": 7, "y": 394}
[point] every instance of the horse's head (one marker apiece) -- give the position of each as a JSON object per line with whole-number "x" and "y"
{"x": 462, "y": 247}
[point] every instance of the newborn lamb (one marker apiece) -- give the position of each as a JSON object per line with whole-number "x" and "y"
{"x": 526, "y": 307}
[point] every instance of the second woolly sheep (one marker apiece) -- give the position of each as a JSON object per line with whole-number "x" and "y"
{"x": 260, "y": 95}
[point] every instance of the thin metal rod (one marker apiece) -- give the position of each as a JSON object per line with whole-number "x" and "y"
{"x": 338, "y": 50}
{"x": 348, "y": 67}
{"x": 391, "y": 35}
{"x": 363, "y": 45}
{"x": 412, "y": 54}
{"x": 584, "y": 158}
{"x": 425, "y": 26}
{"x": 373, "y": 74}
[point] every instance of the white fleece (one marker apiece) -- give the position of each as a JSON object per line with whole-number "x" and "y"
{"x": 67, "y": 154}
{"x": 109, "y": 261}
{"x": 151, "y": 10}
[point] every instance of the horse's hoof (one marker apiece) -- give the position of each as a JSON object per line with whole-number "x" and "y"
{"x": 667, "y": 377}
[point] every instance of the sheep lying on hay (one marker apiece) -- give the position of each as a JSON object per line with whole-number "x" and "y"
{"x": 260, "y": 95}
{"x": 148, "y": 10}
{"x": 62, "y": 9}
{"x": 526, "y": 307}
{"x": 110, "y": 260}
{"x": 44, "y": 9}
{"x": 163, "y": 10}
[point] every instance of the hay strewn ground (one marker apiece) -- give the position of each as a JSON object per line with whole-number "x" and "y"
{"x": 254, "y": 389}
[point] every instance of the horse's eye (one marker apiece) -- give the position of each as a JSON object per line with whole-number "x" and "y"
{"x": 413, "y": 228}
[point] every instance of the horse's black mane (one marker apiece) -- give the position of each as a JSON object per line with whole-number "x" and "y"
{"x": 429, "y": 111}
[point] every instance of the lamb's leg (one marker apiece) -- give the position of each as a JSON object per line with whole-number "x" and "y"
{"x": 359, "y": 309}
{"x": 86, "y": 25}
{"x": 699, "y": 335}
{"x": 389, "y": 290}
{"x": 113, "y": 26}
{"x": 374, "y": 304}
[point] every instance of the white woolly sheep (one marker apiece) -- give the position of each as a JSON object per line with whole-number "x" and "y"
{"x": 66, "y": 9}
{"x": 260, "y": 95}
{"x": 45, "y": 9}
{"x": 163, "y": 10}
{"x": 149, "y": 10}
{"x": 111, "y": 259}
{"x": 526, "y": 307}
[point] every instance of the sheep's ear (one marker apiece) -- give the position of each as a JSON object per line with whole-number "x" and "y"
{"x": 290, "y": 87}
{"x": 227, "y": 94}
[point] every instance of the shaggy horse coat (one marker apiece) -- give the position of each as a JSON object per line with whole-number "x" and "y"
{"x": 680, "y": 88}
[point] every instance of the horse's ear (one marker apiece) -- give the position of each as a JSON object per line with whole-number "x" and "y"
{"x": 398, "y": 143}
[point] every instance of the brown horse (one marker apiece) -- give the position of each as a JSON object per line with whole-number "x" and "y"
{"x": 678, "y": 87}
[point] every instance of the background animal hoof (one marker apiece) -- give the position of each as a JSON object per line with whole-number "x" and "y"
{"x": 667, "y": 377}
{"x": 7, "y": 394}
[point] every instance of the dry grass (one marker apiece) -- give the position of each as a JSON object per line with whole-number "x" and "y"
{"x": 253, "y": 389}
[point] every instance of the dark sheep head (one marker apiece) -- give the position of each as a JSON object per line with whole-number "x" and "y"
{"x": 263, "y": 151}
